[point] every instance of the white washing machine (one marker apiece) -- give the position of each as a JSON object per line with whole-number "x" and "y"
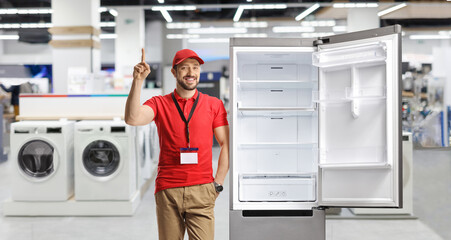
{"x": 143, "y": 154}
{"x": 42, "y": 157}
{"x": 105, "y": 162}
{"x": 154, "y": 148}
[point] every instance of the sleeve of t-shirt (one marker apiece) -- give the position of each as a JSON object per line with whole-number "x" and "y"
{"x": 152, "y": 103}
{"x": 220, "y": 116}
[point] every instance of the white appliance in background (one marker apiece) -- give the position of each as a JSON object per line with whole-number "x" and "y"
{"x": 154, "y": 148}
{"x": 315, "y": 123}
{"x": 105, "y": 161}
{"x": 143, "y": 154}
{"x": 407, "y": 182}
{"x": 42, "y": 159}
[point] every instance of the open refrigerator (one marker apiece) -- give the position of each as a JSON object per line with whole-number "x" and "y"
{"x": 315, "y": 124}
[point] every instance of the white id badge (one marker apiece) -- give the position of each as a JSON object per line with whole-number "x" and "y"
{"x": 188, "y": 155}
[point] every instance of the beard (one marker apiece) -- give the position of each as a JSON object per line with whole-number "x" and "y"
{"x": 185, "y": 86}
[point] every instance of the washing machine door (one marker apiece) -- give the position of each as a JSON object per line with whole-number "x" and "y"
{"x": 101, "y": 158}
{"x": 36, "y": 159}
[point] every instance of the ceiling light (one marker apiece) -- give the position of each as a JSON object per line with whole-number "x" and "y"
{"x": 161, "y": 1}
{"x": 213, "y": 30}
{"x": 9, "y": 37}
{"x": 174, "y": 8}
{"x": 238, "y": 13}
{"x": 428, "y": 37}
{"x": 26, "y": 11}
{"x": 252, "y": 35}
{"x": 319, "y": 23}
{"x": 316, "y": 34}
{"x": 25, "y": 25}
{"x": 181, "y": 36}
{"x": 251, "y": 24}
{"x": 209, "y": 40}
{"x": 108, "y": 36}
{"x": 113, "y": 12}
{"x": 339, "y": 28}
{"x": 392, "y": 9}
{"x": 292, "y": 29}
{"x": 355, "y": 5}
{"x": 251, "y": 0}
{"x": 307, "y": 12}
{"x": 166, "y": 15}
{"x": 182, "y": 25}
{"x": 241, "y": 8}
{"x": 107, "y": 24}
{"x": 103, "y": 9}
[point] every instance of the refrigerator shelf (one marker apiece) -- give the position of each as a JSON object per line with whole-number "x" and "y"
{"x": 267, "y": 145}
{"x": 276, "y": 111}
{"x": 341, "y": 58}
{"x": 274, "y": 84}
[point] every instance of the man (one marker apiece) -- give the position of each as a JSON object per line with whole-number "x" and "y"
{"x": 185, "y": 190}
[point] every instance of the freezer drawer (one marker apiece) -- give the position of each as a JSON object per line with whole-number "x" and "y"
{"x": 277, "y": 188}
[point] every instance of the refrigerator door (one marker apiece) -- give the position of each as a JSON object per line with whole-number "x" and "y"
{"x": 359, "y": 119}
{"x": 274, "y": 126}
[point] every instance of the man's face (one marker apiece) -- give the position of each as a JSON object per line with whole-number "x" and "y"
{"x": 187, "y": 74}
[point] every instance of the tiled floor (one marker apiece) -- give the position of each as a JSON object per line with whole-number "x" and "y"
{"x": 143, "y": 224}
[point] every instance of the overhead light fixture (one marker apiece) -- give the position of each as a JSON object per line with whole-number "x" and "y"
{"x": 316, "y": 34}
{"x": 292, "y": 29}
{"x": 251, "y": 0}
{"x": 108, "y": 36}
{"x": 251, "y": 24}
{"x": 307, "y": 12}
{"x": 166, "y": 15}
{"x": 429, "y": 37}
{"x": 392, "y": 9}
{"x": 107, "y": 24}
{"x": 214, "y": 30}
{"x": 339, "y": 28}
{"x": 182, "y": 25}
{"x": 25, "y": 25}
{"x": 209, "y": 40}
{"x": 5, "y": 11}
{"x": 355, "y": 5}
{"x": 251, "y": 35}
{"x": 9, "y": 37}
{"x": 103, "y": 9}
{"x": 174, "y": 8}
{"x": 181, "y": 36}
{"x": 113, "y": 12}
{"x": 241, "y": 8}
{"x": 319, "y": 23}
{"x": 161, "y": 1}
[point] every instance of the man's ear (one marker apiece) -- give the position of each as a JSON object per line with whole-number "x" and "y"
{"x": 174, "y": 72}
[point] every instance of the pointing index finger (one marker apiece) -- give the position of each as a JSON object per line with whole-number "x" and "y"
{"x": 143, "y": 55}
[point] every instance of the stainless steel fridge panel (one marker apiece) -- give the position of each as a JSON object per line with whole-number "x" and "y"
{"x": 270, "y": 225}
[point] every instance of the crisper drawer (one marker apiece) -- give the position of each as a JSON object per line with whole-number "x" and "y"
{"x": 276, "y": 97}
{"x": 277, "y": 188}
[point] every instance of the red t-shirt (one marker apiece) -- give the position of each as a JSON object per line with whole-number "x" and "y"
{"x": 208, "y": 115}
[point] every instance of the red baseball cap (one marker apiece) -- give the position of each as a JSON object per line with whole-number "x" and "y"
{"x": 183, "y": 54}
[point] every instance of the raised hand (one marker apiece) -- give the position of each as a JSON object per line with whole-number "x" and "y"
{"x": 142, "y": 69}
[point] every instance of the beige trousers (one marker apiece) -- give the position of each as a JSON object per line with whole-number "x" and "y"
{"x": 189, "y": 207}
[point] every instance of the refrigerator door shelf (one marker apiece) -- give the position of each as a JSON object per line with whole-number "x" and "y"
{"x": 346, "y": 57}
{"x": 355, "y": 165}
{"x": 277, "y": 188}
{"x": 353, "y": 155}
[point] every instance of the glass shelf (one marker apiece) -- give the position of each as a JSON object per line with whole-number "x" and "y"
{"x": 349, "y": 94}
{"x": 274, "y": 84}
{"x": 276, "y": 111}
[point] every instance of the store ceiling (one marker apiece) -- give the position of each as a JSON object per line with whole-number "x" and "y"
{"x": 418, "y": 14}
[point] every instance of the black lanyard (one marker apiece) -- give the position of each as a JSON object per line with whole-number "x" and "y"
{"x": 183, "y": 116}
